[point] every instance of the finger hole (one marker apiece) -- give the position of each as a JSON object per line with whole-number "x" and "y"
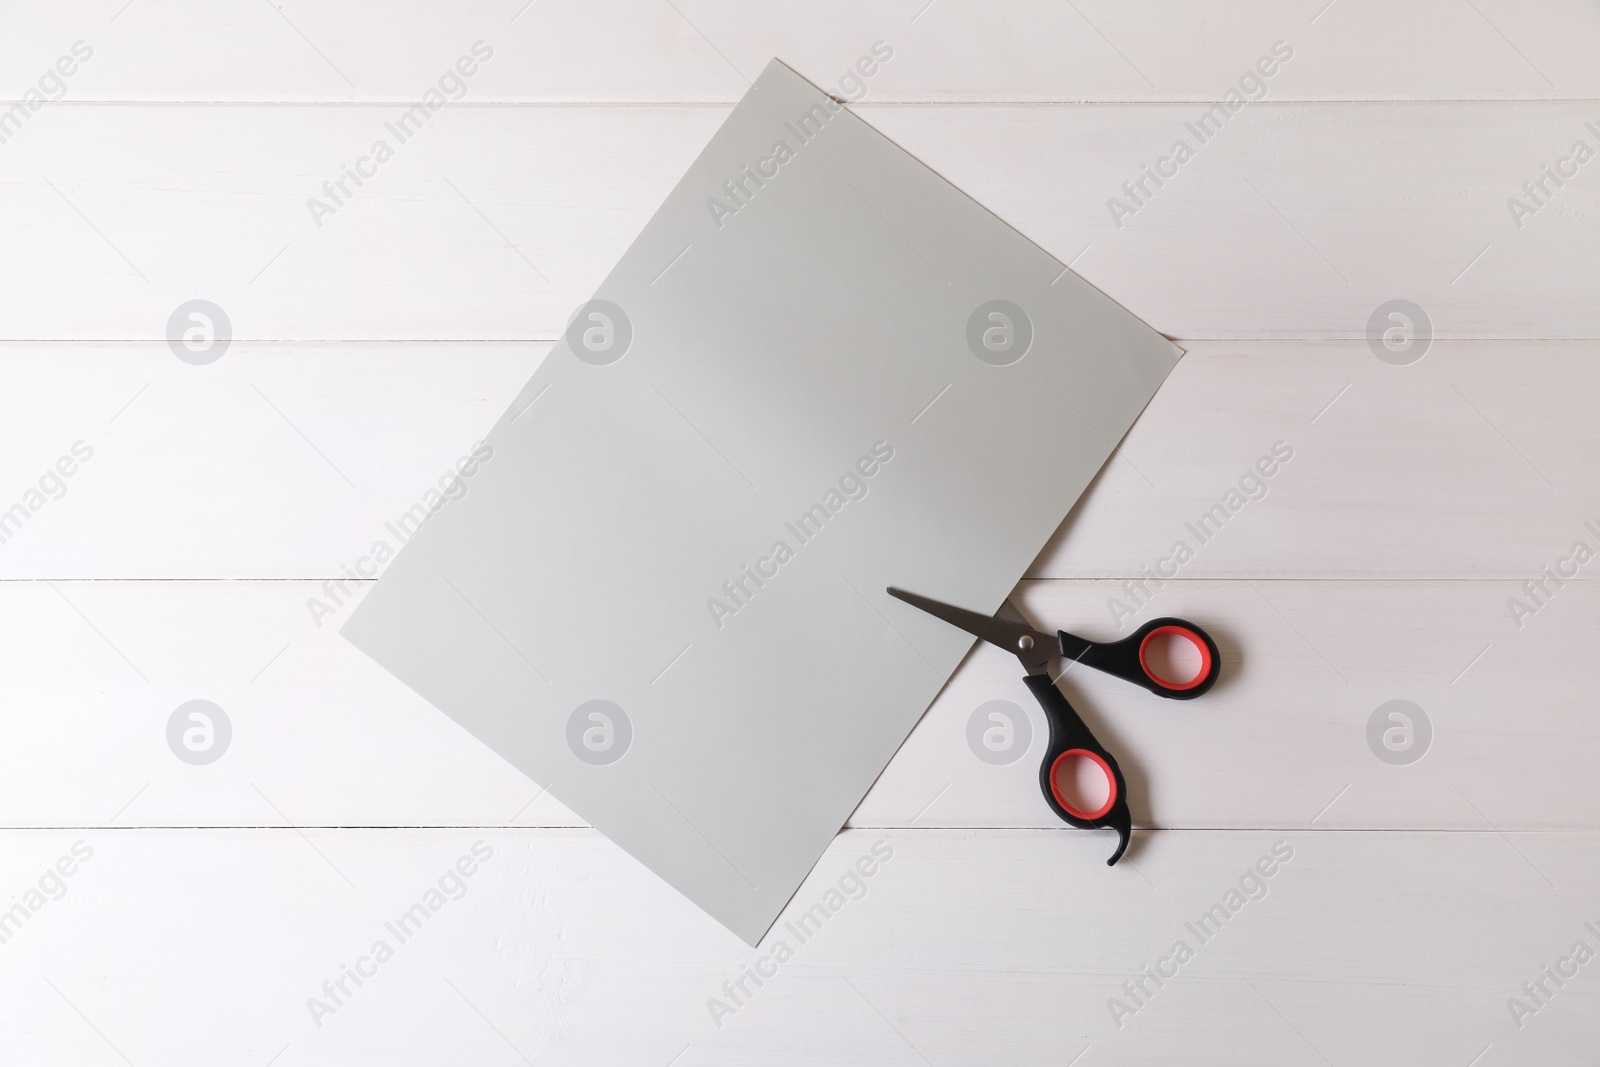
{"x": 1082, "y": 783}
{"x": 1174, "y": 657}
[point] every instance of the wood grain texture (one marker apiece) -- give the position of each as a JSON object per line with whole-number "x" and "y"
{"x": 559, "y": 948}
{"x": 708, "y": 50}
{"x": 288, "y": 460}
{"x": 495, "y": 222}
{"x": 322, "y": 736}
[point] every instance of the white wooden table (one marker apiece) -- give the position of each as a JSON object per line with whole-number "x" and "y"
{"x": 1422, "y": 912}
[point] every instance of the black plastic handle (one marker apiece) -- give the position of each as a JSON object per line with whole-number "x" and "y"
{"x": 1128, "y": 659}
{"x": 1070, "y": 737}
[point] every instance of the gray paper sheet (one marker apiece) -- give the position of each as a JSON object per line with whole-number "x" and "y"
{"x": 819, "y": 371}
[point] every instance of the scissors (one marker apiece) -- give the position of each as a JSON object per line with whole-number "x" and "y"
{"x": 1127, "y": 659}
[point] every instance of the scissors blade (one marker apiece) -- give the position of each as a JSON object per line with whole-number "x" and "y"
{"x": 1030, "y": 646}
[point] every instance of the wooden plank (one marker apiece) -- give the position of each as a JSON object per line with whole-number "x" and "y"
{"x": 322, "y": 736}
{"x": 959, "y": 948}
{"x": 306, "y": 452}
{"x": 1285, "y": 739}
{"x": 291, "y": 461}
{"x": 707, "y": 50}
{"x": 1476, "y": 461}
{"x": 1296, "y": 220}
